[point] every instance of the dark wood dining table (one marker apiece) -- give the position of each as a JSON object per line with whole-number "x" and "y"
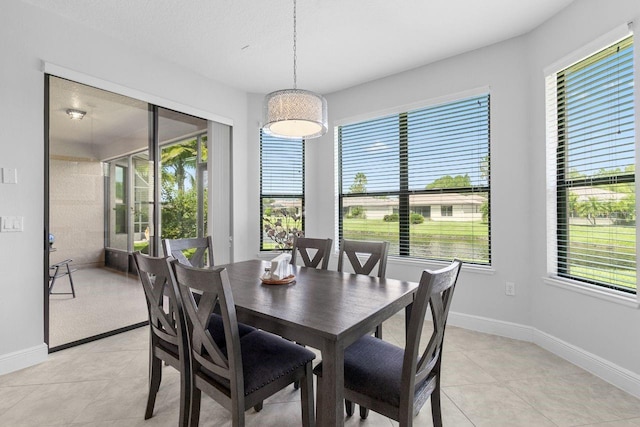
{"x": 323, "y": 309}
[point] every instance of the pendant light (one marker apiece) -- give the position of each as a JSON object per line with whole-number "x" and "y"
{"x": 295, "y": 113}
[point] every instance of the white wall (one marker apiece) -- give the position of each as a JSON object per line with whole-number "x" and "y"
{"x": 30, "y": 36}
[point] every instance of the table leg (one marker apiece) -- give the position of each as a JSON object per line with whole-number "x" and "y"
{"x": 332, "y": 413}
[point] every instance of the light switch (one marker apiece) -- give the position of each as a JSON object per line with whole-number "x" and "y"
{"x": 9, "y": 175}
{"x": 11, "y": 223}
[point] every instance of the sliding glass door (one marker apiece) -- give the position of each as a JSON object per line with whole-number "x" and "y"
{"x": 120, "y": 177}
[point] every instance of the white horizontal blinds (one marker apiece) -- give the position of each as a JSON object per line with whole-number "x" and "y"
{"x": 420, "y": 179}
{"x": 281, "y": 190}
{"x": 281, "y": 166}
{"x": 449, "y": 177}
{"x": 369, "y": 151}
{"x": 596, "y": 237}
{"x": 369, "y": 170}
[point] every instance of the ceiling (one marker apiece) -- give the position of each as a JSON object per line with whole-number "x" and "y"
{"x": 113, "y": 125}
{"x": 247, "y": 44}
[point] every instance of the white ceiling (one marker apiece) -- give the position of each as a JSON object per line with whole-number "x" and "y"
{"x": 247, "y": 44}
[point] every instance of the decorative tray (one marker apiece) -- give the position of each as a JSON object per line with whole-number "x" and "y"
{"x": 284, "y": 281}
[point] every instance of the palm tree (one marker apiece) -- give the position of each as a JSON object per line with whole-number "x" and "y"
{"x": 179, "y": 158}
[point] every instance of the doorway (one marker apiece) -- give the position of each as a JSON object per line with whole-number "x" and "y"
{"x": 104, "y": 202}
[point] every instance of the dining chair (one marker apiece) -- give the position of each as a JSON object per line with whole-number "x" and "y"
{"x": 167, "y": 331}
{"x": 242, "y": 371}
{"x": 193, "y": 251}
{"x": 374, "y": 253}
{"x": 396, "y": 382}
{"x": 306, "y": 245}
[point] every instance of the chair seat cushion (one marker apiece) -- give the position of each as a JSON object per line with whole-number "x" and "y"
{"x": 373, "y": 367}
{"x": 216, "y": 329}
{"x": 265, "y": 358}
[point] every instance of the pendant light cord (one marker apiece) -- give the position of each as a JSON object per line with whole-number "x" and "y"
{"x": 295, "y": 54}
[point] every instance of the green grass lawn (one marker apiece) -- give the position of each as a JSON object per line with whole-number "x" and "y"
{"x": 589, "y": 245}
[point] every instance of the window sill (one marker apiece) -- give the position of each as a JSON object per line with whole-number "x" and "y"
{"x": 611, "y": 295}
{"x": 434, "y": 264}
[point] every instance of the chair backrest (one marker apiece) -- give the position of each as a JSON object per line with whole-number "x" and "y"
{"x": 194, "y": 252}
{"x": 435, "y": 291}
{"x": 375, "y": 252}
{"x": 322, "y": 249}
{"x": 165, "y": 319}
{"x": 214, "y": 286}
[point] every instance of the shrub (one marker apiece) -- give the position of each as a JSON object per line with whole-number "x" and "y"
{"x": 416, "y": 218}
{"x": 391, "y": 218}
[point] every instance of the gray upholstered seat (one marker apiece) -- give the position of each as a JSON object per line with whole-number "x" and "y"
{"x": 393, "y": 381}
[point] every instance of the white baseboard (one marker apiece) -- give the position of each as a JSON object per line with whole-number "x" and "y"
{"x": 608, "y": 371}
{"x": 491, "y": 326}
{"x": 23, "y": 359}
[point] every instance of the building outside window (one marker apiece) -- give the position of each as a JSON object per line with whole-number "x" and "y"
{"x": 419, "y": 179}
{"x": 591, "y": 147}
{"x": 281, "y": 191}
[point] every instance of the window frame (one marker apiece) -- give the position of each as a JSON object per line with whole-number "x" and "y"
{"x": 264, "y": 195}
{"x": 558, "y": 188}
{"x": 404, "y": 193}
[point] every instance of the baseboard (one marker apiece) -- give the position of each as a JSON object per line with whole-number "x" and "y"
{"x": 491, "y": 326}
{"x": 608, "y": 371}
{"x": 23, "y": 359}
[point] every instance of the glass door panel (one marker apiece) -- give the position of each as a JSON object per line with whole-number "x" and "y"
{"x": 183, "y": 166}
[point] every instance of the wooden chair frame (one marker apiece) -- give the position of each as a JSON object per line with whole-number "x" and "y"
{"x": 203, "y": 245}
{"x": 167, "y": 331}
{"x": 205, "y": 354}
{"x": 377, "y": 254}
{"x": 303, "y": 244}
{"x": 435, "y": 292}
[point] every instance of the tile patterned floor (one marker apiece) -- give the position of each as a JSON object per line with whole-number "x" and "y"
{"x": 487, "y": 381}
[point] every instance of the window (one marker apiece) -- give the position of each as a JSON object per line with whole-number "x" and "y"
{"x": 592, "y": 141}
{"x": 446, "y": 210}
{"x": 120, "y": 208}
{"x": 281, "y": 191}
{"x": 402, "y": 175}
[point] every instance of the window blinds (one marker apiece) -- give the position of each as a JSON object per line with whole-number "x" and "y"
{"x": 420, "y": 179}
{"x": 596, "y": 237}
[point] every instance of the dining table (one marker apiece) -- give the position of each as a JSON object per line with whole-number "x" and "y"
{"x": 323, "y": 309}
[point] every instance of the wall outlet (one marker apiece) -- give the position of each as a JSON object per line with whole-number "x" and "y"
{"x": 510, "y": 289}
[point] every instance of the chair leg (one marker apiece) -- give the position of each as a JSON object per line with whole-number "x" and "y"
{"x": 196, "y": 396}
{"x": 348, "y": 406}
{"x": 364, "y": 412}
{"x": 319, "y": 400}
{"x": 379, "y": 331}
{"x": 155, "y": 377}
{"x": 185, "y": 396}
{"x": 73, "y": 291}
{"x": 436, "y": 411}
{"x": 259, "y": 406}
{"x": 306, "y": 397}
{"x": 296, "y": 384}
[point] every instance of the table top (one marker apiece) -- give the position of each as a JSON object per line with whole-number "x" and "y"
{"x": 320, "y": 303}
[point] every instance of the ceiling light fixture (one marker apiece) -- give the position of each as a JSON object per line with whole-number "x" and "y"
{"x": 75, "y": 114}
{"x": 295, "y": 113}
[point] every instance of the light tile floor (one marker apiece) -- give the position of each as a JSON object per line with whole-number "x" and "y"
{"x": 487, "y": 381}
